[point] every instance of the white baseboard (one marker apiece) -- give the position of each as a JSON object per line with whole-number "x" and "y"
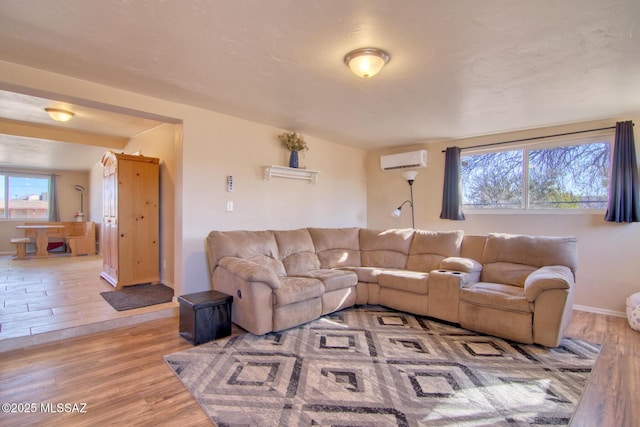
{"x": 600, "y": 311}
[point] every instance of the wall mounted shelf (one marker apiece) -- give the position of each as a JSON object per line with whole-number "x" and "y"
{"x": 293, "y": 173}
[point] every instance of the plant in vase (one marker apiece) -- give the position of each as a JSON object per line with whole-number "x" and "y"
{"x": 294, "y": 142}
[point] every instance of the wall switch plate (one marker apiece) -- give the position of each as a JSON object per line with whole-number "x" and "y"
{"x": 229, "y": 206}
{"x": 230, "y": 183}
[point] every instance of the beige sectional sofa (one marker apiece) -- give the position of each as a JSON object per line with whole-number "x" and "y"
{"x": 512, "y": 286}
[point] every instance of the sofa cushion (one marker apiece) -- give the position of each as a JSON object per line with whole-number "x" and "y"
{"x": 296, "y": 251}
{"x": 296, "y": 289}
{"x": 410, "y": 281}
{"x": 473, "y": 246}
{"x": 256, "y": 246}
{"x": 466, "y": 265}
{"x": 506, "y": 273}
{"x": 495, "y": 295}
{"x": 428, "y": 248}
{"x": 272, "y": 264}
{"x": 333, "y": 279}
{"x": 336, "y": 247}
{"x": 365, "y": 274}
{"x": 424, "y": 262}
{"x": 538, "y": 251}
{"x": 388, "y": 249}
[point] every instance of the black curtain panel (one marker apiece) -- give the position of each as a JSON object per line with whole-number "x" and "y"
{"x": 452, "y": 189}
{"x": 624, "y": 201}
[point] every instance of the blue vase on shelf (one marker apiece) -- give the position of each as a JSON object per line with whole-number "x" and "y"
{"x": 293, "y": 159}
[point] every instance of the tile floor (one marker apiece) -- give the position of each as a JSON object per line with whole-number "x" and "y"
{"x": 45, "y": 299}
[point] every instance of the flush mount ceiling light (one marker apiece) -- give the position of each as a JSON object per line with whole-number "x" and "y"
{"x": 367, "y": 61}
{"x": 59, "y": 115}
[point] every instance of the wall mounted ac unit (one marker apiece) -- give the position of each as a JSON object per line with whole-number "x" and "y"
{"x": 411, "y": 159}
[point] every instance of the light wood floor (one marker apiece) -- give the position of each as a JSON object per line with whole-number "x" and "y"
{"x": 121, "y": 375}
{"x": 45, "y": 299}
{"x": 612, "y": 396}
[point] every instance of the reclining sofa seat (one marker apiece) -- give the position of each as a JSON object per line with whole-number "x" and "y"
{"x": 298, "y": 255}
{"x": 515, "y": 287}
{"x": 275, "y": 279}
{"x": 525, "y": 290}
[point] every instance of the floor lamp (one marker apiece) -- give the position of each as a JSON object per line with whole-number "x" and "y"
{"x": 80, "y": 214}
{"x": 410, "y": 176}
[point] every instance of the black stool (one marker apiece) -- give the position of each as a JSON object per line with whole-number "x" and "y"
{"x": 205, "y": 316}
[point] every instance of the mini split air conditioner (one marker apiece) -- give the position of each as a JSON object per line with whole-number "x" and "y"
{"x": 411, "y": 159}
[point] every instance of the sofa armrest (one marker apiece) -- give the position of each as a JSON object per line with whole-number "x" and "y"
{"x": 250, "y": 271}
{"x": 465, "y": 265}
{"x": 466, "y": 270}
{"x": 547, "y": 278}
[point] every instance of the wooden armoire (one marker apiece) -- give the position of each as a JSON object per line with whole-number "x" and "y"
{"x": 130, "y": 227}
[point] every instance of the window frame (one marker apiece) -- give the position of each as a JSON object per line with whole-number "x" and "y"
{"x": 9, "y": 174}
{"x": 606, "y": 136}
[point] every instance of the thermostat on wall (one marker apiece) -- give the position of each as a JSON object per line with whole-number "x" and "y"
{"x": 229, "y": 183}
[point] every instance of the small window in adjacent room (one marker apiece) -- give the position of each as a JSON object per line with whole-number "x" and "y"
{"x": 563, "y": 175}
{"x": 24, "y": 196}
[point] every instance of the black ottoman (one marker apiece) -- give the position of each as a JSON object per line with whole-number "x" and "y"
{"x": 205, "y": 316}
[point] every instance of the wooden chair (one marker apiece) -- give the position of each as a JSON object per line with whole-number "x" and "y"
{"x": 82, "y": 238}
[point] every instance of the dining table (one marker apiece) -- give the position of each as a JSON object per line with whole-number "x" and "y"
{"x": 42, "y": 240}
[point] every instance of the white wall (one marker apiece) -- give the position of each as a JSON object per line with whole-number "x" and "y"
{"x": 214, "y": 145}
{"x": 95, "y": 197}
{"x": 608, "y": 269}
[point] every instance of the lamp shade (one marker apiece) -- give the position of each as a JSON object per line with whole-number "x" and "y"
{"x": 410, "y": 175}
{"x": 59, "y": 115}
{"x": 366, "y": 62}
{"x": 397, "y": 211}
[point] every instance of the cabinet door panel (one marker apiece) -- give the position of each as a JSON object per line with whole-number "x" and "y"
{"x": 109, "y": 223}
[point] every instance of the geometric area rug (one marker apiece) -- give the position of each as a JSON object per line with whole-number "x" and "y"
{"x": 369, "y": 366}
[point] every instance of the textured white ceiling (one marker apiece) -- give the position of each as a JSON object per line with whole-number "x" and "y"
{"x": 458, "y": 68}
{"x": 27, "y": 108}
{"x": 79, "y": 143}
{"x": 19, "y": 152}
